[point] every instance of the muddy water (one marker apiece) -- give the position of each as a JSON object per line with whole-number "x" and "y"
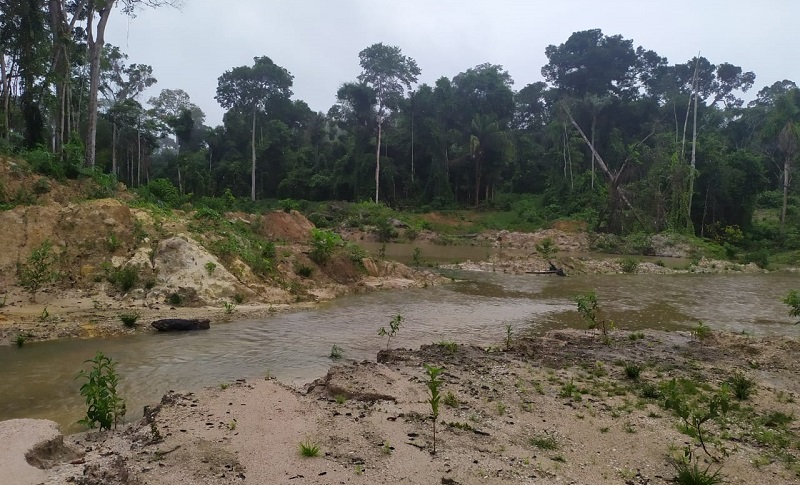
{"x": 38, "y": 380}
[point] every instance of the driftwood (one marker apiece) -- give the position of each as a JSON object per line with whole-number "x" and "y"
{"x": 181, "y": 324}
{"x": 553, "y": 270}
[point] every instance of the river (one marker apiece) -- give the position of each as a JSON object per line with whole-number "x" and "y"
{"x": 39, "y": 379}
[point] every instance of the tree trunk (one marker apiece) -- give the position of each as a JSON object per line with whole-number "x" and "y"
{"x": 378, "y": 160}
{"x": 689, "y": 224}
{"x": 95, "y": 41}
{"x": 787, "y": 164}
{"x": 5, "y": 87}
{"x": 477, "y": 179}
{"x": 114, "y": 148}
{"x": 253, "y": 165}
{"x": 594, "y": 123}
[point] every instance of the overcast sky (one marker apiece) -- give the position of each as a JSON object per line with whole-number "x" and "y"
{"x": 318, "y": 41}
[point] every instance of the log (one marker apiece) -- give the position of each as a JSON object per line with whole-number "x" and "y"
{"x": 181, "y": 324}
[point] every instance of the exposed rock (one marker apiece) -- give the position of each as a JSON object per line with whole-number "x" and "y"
{"x": 181, "y": 324}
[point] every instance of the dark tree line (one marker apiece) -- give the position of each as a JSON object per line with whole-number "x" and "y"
{"x": 616, "y": 133}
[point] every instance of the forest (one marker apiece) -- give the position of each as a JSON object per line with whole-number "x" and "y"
{"x": 616, "y": 135}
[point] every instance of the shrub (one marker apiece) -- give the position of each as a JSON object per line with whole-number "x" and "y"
{"x": 336, "y": 352}
{"x": 130, "y": 319}
{"x": 628, "y": 265}
{"x": 792, "y": 300}
{"x": 546, "y": 248}
{"x": 175, "y": 299}
{"x": 303, "y": 270}
{"x": 632, "y": 371}
{"x": 323, "y": 243}
{"x": 37, "y": 269}
{"x": 309, "y": 449}
{"x": 124, "y": 278}
{"x": 742, "y": 386}
{"x": 394, "y": 327}
{"x": 105, "y": 407}
{"x": 210, "y": 267}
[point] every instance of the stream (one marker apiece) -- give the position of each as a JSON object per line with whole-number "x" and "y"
{"x": 38, "y": 381}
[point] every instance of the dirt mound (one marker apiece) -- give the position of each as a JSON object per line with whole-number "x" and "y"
{"x": 287, "y": 226}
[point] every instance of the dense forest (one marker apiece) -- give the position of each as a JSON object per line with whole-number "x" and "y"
{"x": 616, "y": 135}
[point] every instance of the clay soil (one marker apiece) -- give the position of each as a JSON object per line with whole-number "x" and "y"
{"x": 553, "y": 409}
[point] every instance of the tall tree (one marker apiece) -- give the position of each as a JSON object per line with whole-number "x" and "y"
{"x": 389, "y": 73}
{"x": 252, "y": 89}
{"x": 97, "y": 15}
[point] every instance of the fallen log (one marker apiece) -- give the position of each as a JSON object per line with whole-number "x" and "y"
{"x": 181, "y": 324}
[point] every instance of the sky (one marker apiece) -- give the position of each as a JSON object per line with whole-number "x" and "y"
{"x": 318, "y": 41}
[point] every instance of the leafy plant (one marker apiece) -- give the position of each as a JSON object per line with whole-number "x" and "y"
{"x": 628, "y": 265}
{"x": 20, "y": 340}
{"x": 37, "y": 269}
{"x": 688, "y": 471}
{"x": 632, "y": 371}
{"x": 394, "y": 327}
{"x": 543, "y": 441}
{"x": 130, "y": 319}
{"x": 105, "y": 406}
{"x": 448, "y": 346}
{"x": 792, "y": 299}
{"x": 416, "y": 257}
{"x": 175, "y": 299}
{"x": 336, "y": 352}
{"x": 695, "y": 414}
{"x": 546, "y": 248}
{"x": 124, "y": 278}
{"x": 323, "y": 243}
{"x": 303, "y": 270}
{"x": 229, "y": 307}
{"x": 340, "y": 399}
{"x": 509, "y": 333}
{"x": 433, "y": 384}
{"x": 210, "y": 267}
{"x": 450, "y": 400}
{"x": 589, "y": 308}
{"x": 742, "y": 386}
{"x": 702, "y": 331}
{"x": 112, "y": 242}
{"x": 308, "y": 448}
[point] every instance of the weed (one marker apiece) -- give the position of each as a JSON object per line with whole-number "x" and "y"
{"x": 37, "y": 269}
{"x": 701, "y": 332}
{"x": 336, "y": 352}
{"x": 112, "y": 243}
{"x": 359, "y": 469}
{"x": 604, "y": 429}
{"x": 546, "y": 248}
{"x": 232, "y": 424}
{"x": 210, "y": 267}
{"x": 308, "y": 448}
{"x": 387, "y": 448}
{"x": 450, "y": 400}
{"x": 448, "y": 346}
{"x": 688, "y": 471}
{"x": 20, "y": 340}
{"x": 228, "y": 306}
{"x": 568, "y": 389}
{"x": 124, "y": 278}
{"x": 382, "y": 251}
{"x": 628, "y": 265}
{"x": 224, "y": 386}
{"x": 742, "y": 386}
{"x": 636, "y": 336}
{"x": 175, "y": 299}
{"x": 433, "y": 384}
{"x": 303, "y": 270}
{"x": 4, "y": 300}
{"x": 589, "y": 309}
{"x": 792, "y": 300}
{"x": 155, "y": 434}
{"x": 105, "y": 407}
{"x": 416, "y": 257}
{"x": 394, "y": 327}
{"x": 695, "y": 414}
{"x": 649, "y": 391}
{"x": 129, "y": 319}
{"x": 323, "y": 243}
{"x": 44, "y": 315}
{"x": 632, "y": 371}
{"x": 340, "y": 399}
{"x": 238, "y": 298}
{"x": 543, "y": 441}
{"x": 509, "y": 333}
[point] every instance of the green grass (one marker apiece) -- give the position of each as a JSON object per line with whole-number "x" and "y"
{"x": 543, "y": 441}
{"x": 129, "y": 319}
{"x": 309, "y": 449}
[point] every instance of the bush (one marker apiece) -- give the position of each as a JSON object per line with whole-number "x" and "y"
{"x": 37, "y": 269}
{"x": 105, "y": 407}
{"x": 124, "y": 278}
{"x": 130, "y": 319}
{"x": 323, "y": 243}
{"x": 628, "y": 265}
{"x": 163, "y": 192}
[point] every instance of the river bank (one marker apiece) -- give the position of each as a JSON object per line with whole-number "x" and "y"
{"x": 565, "y": 407}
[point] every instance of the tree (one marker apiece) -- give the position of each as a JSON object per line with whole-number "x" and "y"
{"x": 388, "y": 72}
{"x": 97, "y": 15}
{"x": 252, "y": 89}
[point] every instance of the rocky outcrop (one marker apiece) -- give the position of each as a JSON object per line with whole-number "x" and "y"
{"x": 181, "y": 324}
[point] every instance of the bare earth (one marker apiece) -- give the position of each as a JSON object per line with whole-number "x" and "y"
{"x": 552, "y": 409}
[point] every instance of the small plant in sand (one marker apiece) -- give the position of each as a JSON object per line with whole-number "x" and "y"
{"x": 336, "y": 352}
{"x": 229, "y": 307}
{"x": 543, "y": 441}
{"x": 632, "y": 371}
{"x": 416, "y": 257}
{"x": 4, "y": 300}
{"x": 701, "y": 331}
{"x": 394, "y": 327}
{"x": 340, "y": 399}
{"x": 37, "y": 270}
{"x": 387, "y": 449}
{"x": 130, "y": 319}
{"x": 323, "y": 243}
{"x": 20, "y": 340}
{"x": 589, "y": 308}
{"x": 104, "y": 406}
{"x": 546, "y": 248}
{"x": 696, "y": 413}
{"x": 433, "y": 384}
{"x": 792, "y": 300}
{"x": 210, "y": 267}
{"x": 450, "y": 400}
{"x": 742, "y": 386}
{"x": 44, "y": 315}
{"x": 689, "y": 472}
{"x": 509, "y": 334}
{"x": 309, "y": 449}
{"x": 448, "y": 346}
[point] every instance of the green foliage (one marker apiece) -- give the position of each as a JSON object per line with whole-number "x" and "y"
{"x": 229, "y": 307}
{"x": 130, "y": 319}
{"x": 112, "y": 243}
{"x": 632, "y": 371}
{"x": 546, "y": 248}
{"x": 544, "y": 441}
{"x": 792, "y": 300}
{"x": 210, "y": 267}
{"x": 124, "y": 278}
{"x": 162, "y": 192}
{"x": 509, "y": 335}
{"x": 742, "y": 386}
{"x": 20, "y": 340}
{"x": 175, "y": 299}
{"x": 336, "y": 352}
{"x": 303, "y": 270}
{"x": 450, "y": 400}
{"x": 323, "y": 244}
{"x": 37, "y": 270}
{"x": 701, "y": 331}
{"x": 688, "y": 471}
{"x": 433, "y": 383}
{"x": 628, "y": 265}
{"x": 589, "y": 309}
{"x": 309, "y": 449}
{"x": 448, "y": 346}
{"x": 105, "y": 408}
{"x": 416, "y": 257}
{"x": 394, "y": 327}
